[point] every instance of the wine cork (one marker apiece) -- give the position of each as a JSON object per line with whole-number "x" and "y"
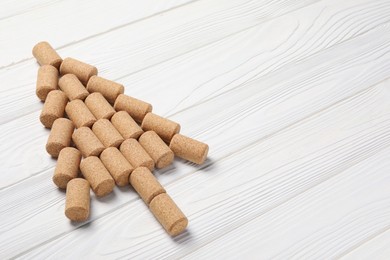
{"x": 46, "y": 55}
{"x": 87, "y": 142}
{"x": 164, "y": 127}
{"x": 136, "y": 108}
{"x": 47, "y": 80}
{"x": 60, "y": 136}
{"x": 97, "y": 175}
{"x": 78, "y": 200}
{"x": 83, "y": 71}
{"x": 67, "y": 166}
{"x": 146, "y": 185}
{"x": 117, "y": 165}
{"x": 72, "y": 87}
{"x": 157, "y": 149}
{"x": 109, "y": 89}
{"x": 107, "y": 133}
{"x": 126, "y": 125}
{"x": 189, "y": 149}
{"x": 53, "y": 108}
{"x": 168, "y": 214}
{"x": 136, "y": 155}
{"x": 79, "y": 113}
{"x": 99, "y": 106}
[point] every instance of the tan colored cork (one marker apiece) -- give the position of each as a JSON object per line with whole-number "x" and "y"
{"x": 136, "y": 108}
{"x": 79, "y": 113}
{"x": 107, "y": 133}
{"x": 67, "y": 166}
{"x": 78, "y": 200}
{"x": 126, "y": 125}
{"x": 72, "y": 87}
{"x": 83, "y": 71}
{"x": 60, "y": 136}
{"x": 109, "y": 89}
{"x": 53, "y": 108}
{"x": 136, "y": 155}
{"x": 144, "y": 182}
{"x": 117, "y": 165}
{"x": 168, "y": 214}
{"x": 47, "y": 80}
{"x": 46, "y": 55}
{"x": 164, "y": 127}
{"x": 87, "y": 142}
{"x": 97, "y": 175}
{"x": 99, "y": 106}
{"x": 189, "y": 149}
{"x": 157, "y": 149}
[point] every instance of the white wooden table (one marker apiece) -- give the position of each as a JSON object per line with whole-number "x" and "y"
{"x": 293, "y": 98}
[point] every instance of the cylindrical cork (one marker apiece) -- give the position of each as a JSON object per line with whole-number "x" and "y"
{"x": 136, "y": 108}
{"x": 72, "y": 87}
{"x": 97, "y": 175}
{"x": 67, "y": 166}
{"x": 144, "y": 182}
{"x": 189, "y": 149}
{"x": 168, "y": 214}
{"x": 77, "y": 200}
{"x": 117, "y": 165}
{"x": 53, "y": 108}
{"x": 136, "y": 155}
{"x": 157, "y": 149}
{"x": 47, "y": 80}
{"x": 126, "y": 125}
{"x": 109, "y": 89}
{"x": 107, "y": 134}
{"x": 46, "y": 55}
{"x": 79, "y": 113}
{"x": 99, "y": 106}
{"x": 60, "y": 136}
{"x": 164, "y": 127}
{"x": 87, "y": 142}
{"x": 83, "y": 71}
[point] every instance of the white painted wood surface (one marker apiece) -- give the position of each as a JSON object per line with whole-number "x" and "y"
{"x": 293, "y": 98}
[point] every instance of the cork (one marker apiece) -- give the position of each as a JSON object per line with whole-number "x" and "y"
{"x": 157, "y": 149}
{"x": 99, "y": 106}
{"x": 87, "y": 142}
{"x": 60, "y": 136}
{"x": 164, "y": 127}
{"x": 168, "y": 214}
{"x": 107, "y": 133}
{"x": 136, "y": 155}
{"x": 77, "y": 200}
{"x": 53, "y": 108}
{"x": 47, "y": 80}
{"x": 72, "y": 87}
{"x": 189, "y": 149}
{"x": 46, "y": 55}
{"x": 67, "y": 167}
{"x": 109, "y": 89}
{"x": 136, "y": 108}
{"x": 146, "y": 185}
{"x": 126, "y": 125}
{"x": 97, "y": 175}
{"x": 117, "y": 165}
{"x": 83, "y": 71}
{"x": 79, "y": 113}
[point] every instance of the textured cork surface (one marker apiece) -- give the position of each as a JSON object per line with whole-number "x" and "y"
{"x": 60, "y": 136}
{"x": 157, "y": 149}
{"x": 164, "y": 127}
{"x": 79, "y": 113}
{"x": 67, "y": 167}
{"x": 107, "y": 134}
{"x": 168, "y": 214}
{"x": 53, "y": 108}
{"x": 144, "y": 182}
{"x": 78, "y": 200}
{"x": 82, "y": 70}
{"x": 136, "y": 155}
{"x": 99, "y": 106}
{"x": 109, "y": 89}
{"x": 136, "y": 108}
{"x": 97, "y": 175}
{"x": 126, "y": 125}
{"x": 189, "y": 149}
{"x": 46, "y": 55}
{"x": 72, "y": 87}
{"x": 47, "y": 80}
{"x": 117, "y": 165}
{"x": 87, "y": 142}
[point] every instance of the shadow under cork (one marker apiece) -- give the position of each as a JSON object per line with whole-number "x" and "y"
{"x": 106, "y": 199}
{"x": 183, "y": 238}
